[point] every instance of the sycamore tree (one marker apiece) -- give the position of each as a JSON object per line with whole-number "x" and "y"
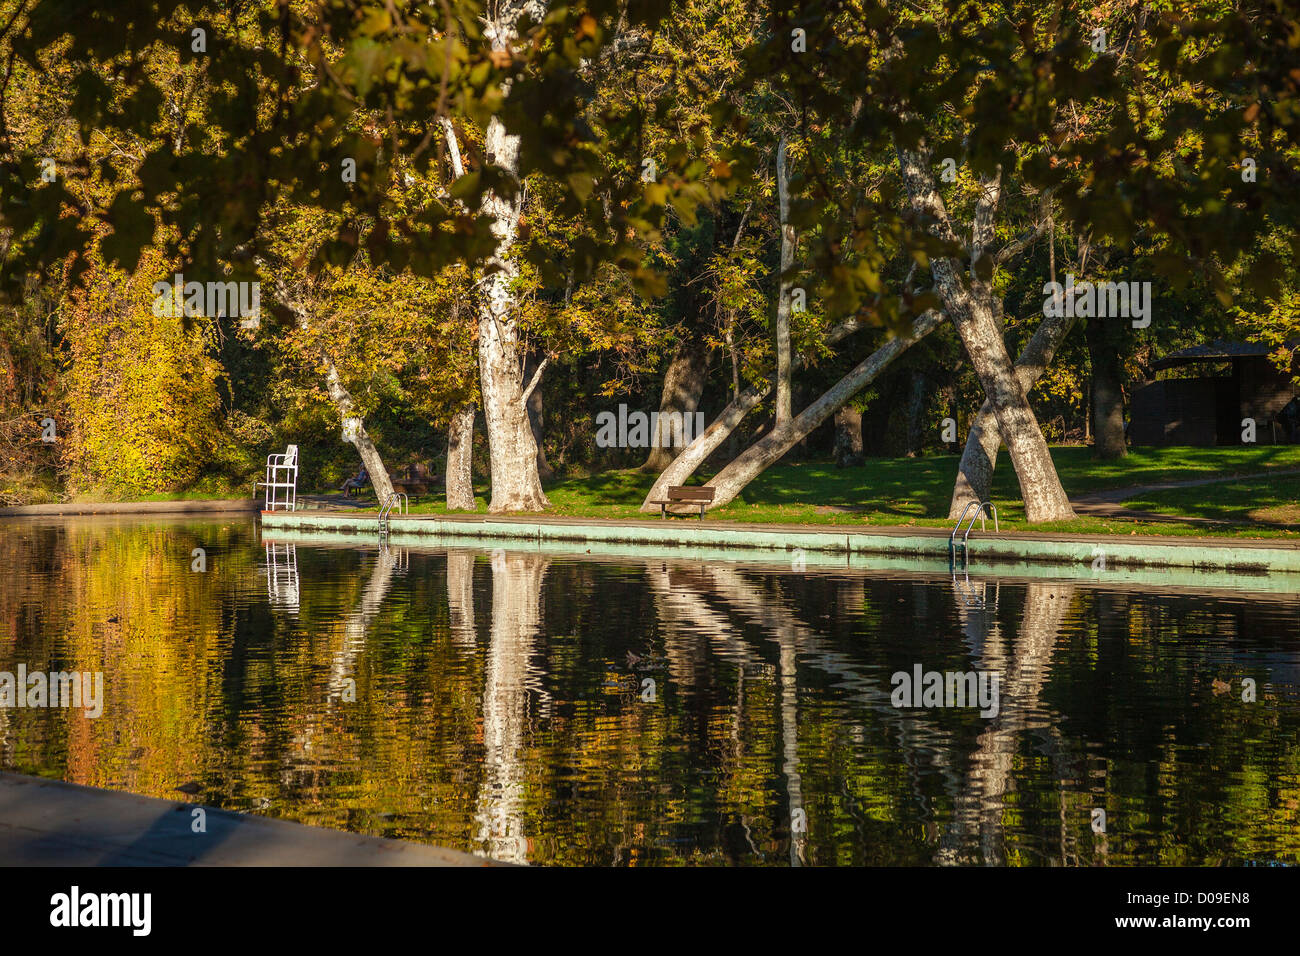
{"x": 324, "y": 105}
{"x": 894, "y": 162}
{"x": 982, "y": 93}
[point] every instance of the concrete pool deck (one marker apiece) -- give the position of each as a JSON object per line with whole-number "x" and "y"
{"x": 1249, "y": 556}
{"x": 52, "y": 823}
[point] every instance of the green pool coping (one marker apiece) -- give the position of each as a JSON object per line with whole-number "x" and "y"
{"x": 1219, "y": 562}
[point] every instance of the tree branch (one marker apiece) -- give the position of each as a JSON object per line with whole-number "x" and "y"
{"x": 1029, "y": 236}
{"x": 537, "y": 377}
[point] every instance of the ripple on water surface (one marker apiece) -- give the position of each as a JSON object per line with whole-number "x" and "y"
{"x": 570, "y": 709}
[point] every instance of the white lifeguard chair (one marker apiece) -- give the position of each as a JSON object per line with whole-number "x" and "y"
{"x": 281, "y": 481}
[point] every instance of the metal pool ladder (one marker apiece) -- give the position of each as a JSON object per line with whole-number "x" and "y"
{"x": 981, "y": 509}
{"x": 397, "y": 501}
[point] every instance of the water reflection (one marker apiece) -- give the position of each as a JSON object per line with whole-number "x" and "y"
{"x": 562, "y": 709}
{"x": 516, "y": 619}
{"x": 282, "y": 580}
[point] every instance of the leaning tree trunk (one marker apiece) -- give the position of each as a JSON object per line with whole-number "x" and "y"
{"x": 768, "y": 450}
{"x": 980, "y": 456}
{"x": 516, "y": 486}
{"x": 707, "y": 442}
{"x": 971, "y": 309}
{"x": 683, "y": 386}
{"x": 1107, "y": 388}
{"x": 536, "y": 421}
{"x": 354, "y": 431}
{"x": 460, "y": 460}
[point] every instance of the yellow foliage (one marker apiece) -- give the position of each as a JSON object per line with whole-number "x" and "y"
{"x": 141, "y": 389}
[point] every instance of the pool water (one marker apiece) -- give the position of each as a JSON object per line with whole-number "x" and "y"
{"x": 565, "y": 709}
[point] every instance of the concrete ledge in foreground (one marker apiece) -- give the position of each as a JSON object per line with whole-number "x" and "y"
{"x": 51, "y": 823}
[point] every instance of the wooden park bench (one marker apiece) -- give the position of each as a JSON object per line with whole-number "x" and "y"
{"x": 415, "y": 480}
{"x": 685, "y": 494}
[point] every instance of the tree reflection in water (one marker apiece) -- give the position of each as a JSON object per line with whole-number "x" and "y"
{"x": 495, "y": 701}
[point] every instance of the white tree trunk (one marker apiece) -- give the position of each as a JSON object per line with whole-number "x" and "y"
{"x": 788, "y": 240}
{"x": 460, "y": 471}
{"x": 972, "y": 312}
{"x": 768, "y": 450}
{"x": 516, "y": 485}
{"x": 354, "y": 431}
{"x": 980, "y": 456}
{"x": 706, "y": 443}
{"x": 683, "y": 386}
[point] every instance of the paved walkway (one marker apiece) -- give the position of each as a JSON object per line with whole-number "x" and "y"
{"x": 1109, "y": 504}
{"x": 51, "y": 823}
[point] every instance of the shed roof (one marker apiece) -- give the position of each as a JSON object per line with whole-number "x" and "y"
{"x": 1214, "y": 352}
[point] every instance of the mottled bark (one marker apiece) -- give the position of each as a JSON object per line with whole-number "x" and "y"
{"x": 720, "y": 429}
{"x": 973, "y": 314}
{"x": 516, "y": 485}
{"x": 353, "y": 425}
{"x": 460, "y": 459}
{"x": 980, "y": 456}
{"x": 765, "y": 452}
{"x": 354, "y": 431}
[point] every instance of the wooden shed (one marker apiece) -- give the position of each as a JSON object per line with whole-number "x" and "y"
{"x": 1232, "y": 381}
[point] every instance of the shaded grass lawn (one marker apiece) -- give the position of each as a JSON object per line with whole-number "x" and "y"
{"x": 916, "y": 491}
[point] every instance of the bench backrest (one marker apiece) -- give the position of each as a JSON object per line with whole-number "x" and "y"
{"x": 690, "y": 493}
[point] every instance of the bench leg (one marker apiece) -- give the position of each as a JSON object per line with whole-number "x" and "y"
{"x": 663, "y": 511}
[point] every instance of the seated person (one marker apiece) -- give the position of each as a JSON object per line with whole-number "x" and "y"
{"x": 356, "y": 483}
